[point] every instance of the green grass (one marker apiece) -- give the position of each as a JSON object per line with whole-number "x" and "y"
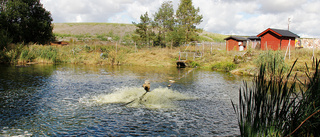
{"x": 224, "y": 66}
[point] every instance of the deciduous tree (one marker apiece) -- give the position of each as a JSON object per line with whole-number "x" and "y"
{"x": 25, "y": 21}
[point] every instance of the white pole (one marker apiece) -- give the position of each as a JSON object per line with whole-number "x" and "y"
{"x": 266, "y": 45}
{"x": 313, "y": 49}
{"x": 289, "y": 48}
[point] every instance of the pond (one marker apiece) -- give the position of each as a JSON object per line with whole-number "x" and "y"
{"x": 88, "y": 100}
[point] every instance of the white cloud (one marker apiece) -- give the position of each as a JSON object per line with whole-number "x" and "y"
{"x": 276, "y": 6}
{"x": 242, "y": 17}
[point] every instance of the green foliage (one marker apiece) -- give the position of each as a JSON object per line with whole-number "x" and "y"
{"x": 308, "y": 111}
{"x": 143, "y": 29}
{"x": 25, "y": 21}
{"x": 273, "y": 60}
{"x": 224, "y": 66}
{"x": 272, "y": 106}
{"x": 194, "y": 64}
{"x": 164, "y": 21}
{"x": 188, "y": 18}
{"x": 25, "y": 56}
{"x": 170, "y": 30}
{"x": 11, "y": 54}
{"x": 4, "y": 39}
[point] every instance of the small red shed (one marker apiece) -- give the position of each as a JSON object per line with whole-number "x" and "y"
{"x": 276, "y": 39}
{"x": 236, "y": 43}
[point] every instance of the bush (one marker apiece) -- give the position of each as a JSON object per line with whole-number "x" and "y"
{"x": 224, "y": 66}
{"x": 194, "y": 64}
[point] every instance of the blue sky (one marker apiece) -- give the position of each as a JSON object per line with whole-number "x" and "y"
{"x": 236, "y": 17}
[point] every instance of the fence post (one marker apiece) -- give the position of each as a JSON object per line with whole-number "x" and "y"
{"x": 211, "y": 48}
{"x": 135, "y": 45}
{"x": 313, "y": 48}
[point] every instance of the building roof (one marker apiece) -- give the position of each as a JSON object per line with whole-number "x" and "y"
{"x": 254, "y": 38}
{"x": 279, "y": 32}
{"x": 236, "y": 38}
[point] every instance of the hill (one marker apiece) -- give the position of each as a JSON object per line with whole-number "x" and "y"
{"x": 105, "y": 31}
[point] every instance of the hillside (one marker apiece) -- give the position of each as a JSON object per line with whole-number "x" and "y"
{"x": 104, "y": 31}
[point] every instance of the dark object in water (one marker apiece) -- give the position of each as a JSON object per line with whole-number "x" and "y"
{"x": 146, "y": 86}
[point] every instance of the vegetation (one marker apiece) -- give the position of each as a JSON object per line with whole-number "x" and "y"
{"x": 224, "y": 66}
{"x": 273, "y": 61}
{"x": 165, "y": 29}
{"x": 187, "y": 19}
{"x": 274, "y": 106}
{"x": 24, "y": 21}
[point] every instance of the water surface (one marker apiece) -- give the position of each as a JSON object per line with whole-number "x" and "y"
{"x": 83, "y": 100}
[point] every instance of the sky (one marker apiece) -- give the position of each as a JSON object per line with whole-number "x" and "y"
{"x": 229, "y": 17}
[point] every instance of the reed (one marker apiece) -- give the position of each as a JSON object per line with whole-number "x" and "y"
{"x": 274, "y": 106}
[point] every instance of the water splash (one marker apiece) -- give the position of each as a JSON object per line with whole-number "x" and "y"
{"x": 156, "y": 99}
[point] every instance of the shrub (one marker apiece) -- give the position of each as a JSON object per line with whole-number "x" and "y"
{"x": 194, "y": 64}
{"x": 224, "y": 66}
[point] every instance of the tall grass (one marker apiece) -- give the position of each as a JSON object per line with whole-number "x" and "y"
{"x": 275, "y": 106}
{"x": 273, "y": 61}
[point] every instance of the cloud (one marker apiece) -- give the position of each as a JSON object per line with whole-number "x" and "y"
{"x": 278, "y": 6}
{"x": 237, "y": 17}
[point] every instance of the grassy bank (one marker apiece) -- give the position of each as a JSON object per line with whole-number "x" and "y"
{"x": 111, "y": 44}
{"x": 241, "y": 63}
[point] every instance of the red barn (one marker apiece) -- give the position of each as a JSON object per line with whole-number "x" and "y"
{"x": 276, "y": 39}
{"x": 236, "y": 43}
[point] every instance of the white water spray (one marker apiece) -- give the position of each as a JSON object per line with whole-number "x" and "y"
{"x": 156, "y": 99}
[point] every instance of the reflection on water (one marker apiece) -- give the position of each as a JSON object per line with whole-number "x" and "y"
{"x": 80, "y": 100}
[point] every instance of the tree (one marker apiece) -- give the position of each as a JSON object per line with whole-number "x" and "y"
{"x": 187, "y": 18}
{"x": 170, "y": 29}
{"x": 25, "y": 21}
{"x": 143, "y": 29}
{"x": 164, "y": 21}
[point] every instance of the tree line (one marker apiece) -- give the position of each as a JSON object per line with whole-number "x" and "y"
{"x": 168, "y": 27}
{"x": 24, "y": 21}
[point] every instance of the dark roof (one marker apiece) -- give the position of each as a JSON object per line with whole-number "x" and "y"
{"x": 236, "y": 38}
{"x": 254, "y": 38}
{"x": 279, "y": 32}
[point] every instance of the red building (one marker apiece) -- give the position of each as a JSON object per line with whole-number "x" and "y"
{"x": 276, "y": 39}
{"x": 236, "y": 43}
